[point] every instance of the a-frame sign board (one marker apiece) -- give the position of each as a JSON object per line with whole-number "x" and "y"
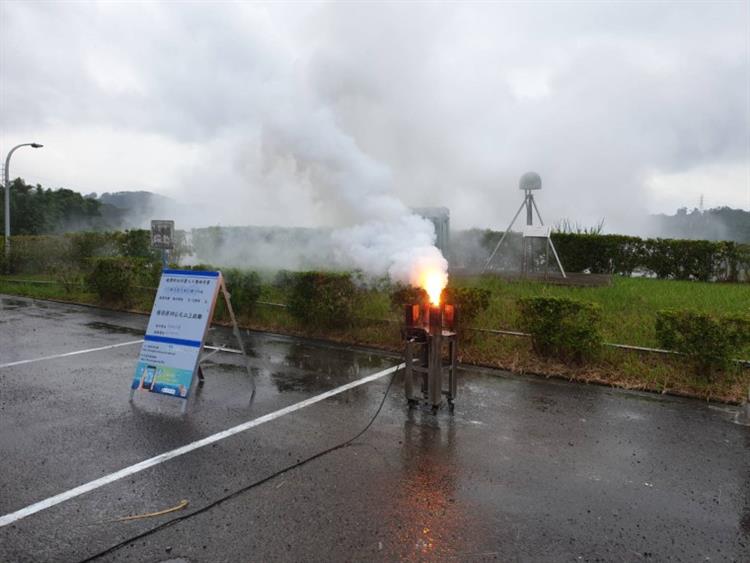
{"x": 176, "y": 334}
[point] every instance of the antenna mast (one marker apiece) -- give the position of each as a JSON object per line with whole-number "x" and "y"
{"x": 529, "y": 183}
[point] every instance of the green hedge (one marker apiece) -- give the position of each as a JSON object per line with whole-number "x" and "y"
{"x": 34, "y": 254}
{"x": 561, "y": 327}
{"x": 666, "y": 258}
{"x": 323, "y": 300}
{"x": 598, "y": 253}
{"x": 44, "y": 253}
{"x": 709, "y": 342}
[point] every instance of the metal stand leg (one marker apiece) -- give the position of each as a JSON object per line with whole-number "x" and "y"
{"x": 559, "y": 264}
{"x": 434, "y": 384}
{"x": 549, "y": 240}
{"x": 453, "y": 381}
{"x": 408, "y": 375}
{"x": 236, "y": 332}
{"x": 183, "y": 408}
{"x": 502, "y": 238}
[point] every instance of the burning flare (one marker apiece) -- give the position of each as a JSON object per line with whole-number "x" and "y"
{"x": 433, "y": 281}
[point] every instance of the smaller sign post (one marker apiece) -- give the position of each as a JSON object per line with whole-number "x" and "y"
{"x": 162, "y": 236}
{"x": 176, "y": 333}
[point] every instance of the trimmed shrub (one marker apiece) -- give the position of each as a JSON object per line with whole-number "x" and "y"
{"x": 561, "y": 327}
{"x": 196, "y": 267}
{"x": 325, "y": 300}
{"x": 87, "y": 245}
{"x": 69, "y": 276}
{"x": 113, "y": 279}
{"x": 709, "y": 342}
{"x": 408, "y": 295}
{"x": 244, "y": 288}
{"x": 469, "y": 301}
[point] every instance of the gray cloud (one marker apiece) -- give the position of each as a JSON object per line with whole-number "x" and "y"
{"x": 452, "y": 102}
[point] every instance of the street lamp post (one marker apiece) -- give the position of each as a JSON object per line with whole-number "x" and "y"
{"x": 7, "y": 197}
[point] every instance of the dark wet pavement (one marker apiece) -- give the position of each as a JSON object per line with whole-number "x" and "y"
{"x": 526, "y": 470}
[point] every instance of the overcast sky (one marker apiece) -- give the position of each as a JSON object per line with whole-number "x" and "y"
{"x": 268, "y": 113}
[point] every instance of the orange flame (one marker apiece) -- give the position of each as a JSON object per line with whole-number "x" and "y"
{"x": 433, "y": 281}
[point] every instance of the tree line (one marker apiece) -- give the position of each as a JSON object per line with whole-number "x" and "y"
{"x": 36, "y": 210}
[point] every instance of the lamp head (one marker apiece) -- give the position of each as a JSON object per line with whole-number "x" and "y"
{"x": 36, "y": 145}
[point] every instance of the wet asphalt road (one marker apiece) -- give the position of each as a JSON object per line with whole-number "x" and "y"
{"x": 526, "y": 470}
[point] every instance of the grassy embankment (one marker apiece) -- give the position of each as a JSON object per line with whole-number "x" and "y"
{"x": 629, "y": 306}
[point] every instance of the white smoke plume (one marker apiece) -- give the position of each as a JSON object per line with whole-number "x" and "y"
{"x": 384, "y": 237}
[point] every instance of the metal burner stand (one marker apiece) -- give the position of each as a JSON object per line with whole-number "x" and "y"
{"x": 424, "y": 356}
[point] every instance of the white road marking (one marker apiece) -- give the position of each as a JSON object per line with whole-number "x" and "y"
{"x": 161, "y": 458}
{"x": 43, "y": 358}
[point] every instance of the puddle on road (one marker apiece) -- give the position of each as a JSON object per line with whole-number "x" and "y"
{"x": 114, "y": 329}
{"x": 36, "y": 309}
{"x": 310, "y": 382}
{"x": 12, "y": 304}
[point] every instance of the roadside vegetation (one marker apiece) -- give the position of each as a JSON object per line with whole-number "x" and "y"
{"x": 570, "y": 327}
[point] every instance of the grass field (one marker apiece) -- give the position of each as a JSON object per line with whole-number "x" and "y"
{"x": 629, "y": 307}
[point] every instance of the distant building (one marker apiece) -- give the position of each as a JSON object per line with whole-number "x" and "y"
{"x": 440, "y": 217}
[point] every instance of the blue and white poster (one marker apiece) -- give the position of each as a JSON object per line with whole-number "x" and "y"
{"x": 182, "y": 311}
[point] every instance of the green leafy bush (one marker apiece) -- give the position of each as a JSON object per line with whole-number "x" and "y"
{"x": 113, "y": 279}
{"x": 69, "y": 276}
{"x": 284, "y": 280}
{"x": 136, "y": 243}
{"x": 325, "y": 300}
{"x": 408, "y": 295}
{"x": 469, "y": 301}
{"x": 87, "y": 245}
{"x": 709, "y": 342}
{"x": 35, "y": 254}
{"x": 244, "y": 288}
{"x": 561, "y": 327}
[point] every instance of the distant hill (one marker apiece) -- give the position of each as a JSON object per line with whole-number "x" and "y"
{"x": 134, "y": 200}
{"x": 129, "y": 210}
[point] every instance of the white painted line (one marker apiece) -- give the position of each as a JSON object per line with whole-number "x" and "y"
{"x": 43, "y": 358}
{"x": 161, "y": 458}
